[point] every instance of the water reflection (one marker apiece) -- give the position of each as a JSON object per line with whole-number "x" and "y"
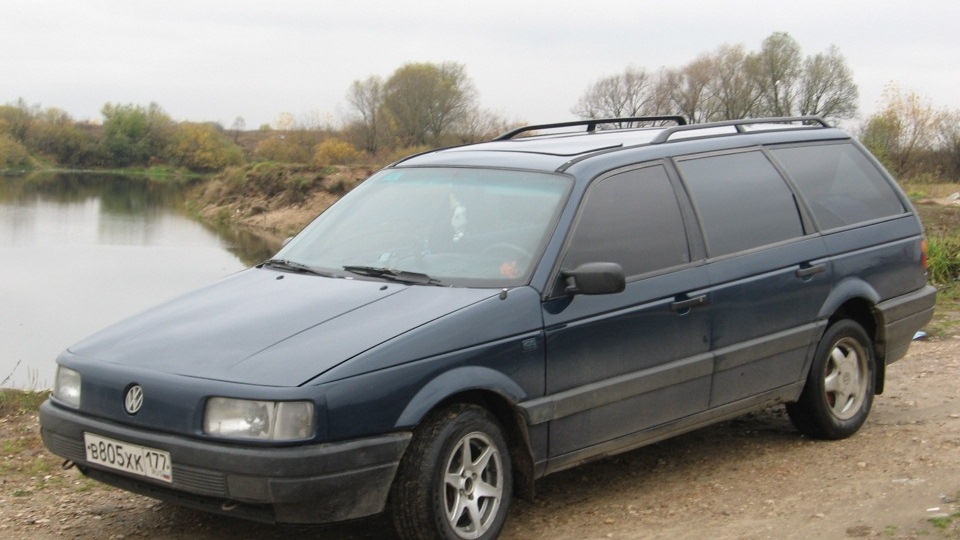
{"x": 80, "y": 251}
{"x": 251, "y": 248}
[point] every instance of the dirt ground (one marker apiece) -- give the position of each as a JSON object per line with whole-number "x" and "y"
{"x": 750, "y": 478}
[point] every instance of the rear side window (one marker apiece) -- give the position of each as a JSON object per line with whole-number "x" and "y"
{"x": 839, "y": 183}
{"x": 741, "y": 200}
{"x": 632, "y": 219}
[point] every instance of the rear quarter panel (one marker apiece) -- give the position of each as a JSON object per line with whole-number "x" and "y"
{"x": 875, "y": 261}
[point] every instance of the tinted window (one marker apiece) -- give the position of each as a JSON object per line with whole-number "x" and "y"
{"x": 742, "y": 202}
{"x": 632, "y": 219}
{"x": 840, "y": 184}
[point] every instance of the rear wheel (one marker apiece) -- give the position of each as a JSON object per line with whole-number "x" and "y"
{"x": 839, "y": 390}
{"x": 454, "y": 481}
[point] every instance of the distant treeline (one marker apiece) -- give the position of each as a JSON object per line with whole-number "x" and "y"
{"x": 426, "y": 105}
{"x": 132, "y": 136}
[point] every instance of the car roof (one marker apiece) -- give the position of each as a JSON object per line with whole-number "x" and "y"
{"x": 556, "y": 147}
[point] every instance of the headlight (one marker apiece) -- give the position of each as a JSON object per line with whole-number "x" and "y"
{"x": 262, "y": 420}
{"x": 67, "y": 386}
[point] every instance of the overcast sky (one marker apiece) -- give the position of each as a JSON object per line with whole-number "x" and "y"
{"x": 207, "y": 60}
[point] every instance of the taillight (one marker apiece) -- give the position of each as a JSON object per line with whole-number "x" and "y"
{"x": 923, "y": 253}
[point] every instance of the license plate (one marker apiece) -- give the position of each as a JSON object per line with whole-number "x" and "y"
{"x": 131, "y": 458}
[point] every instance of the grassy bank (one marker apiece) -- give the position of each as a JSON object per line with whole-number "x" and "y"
{"x": 277, "y": 198}
{"x": 13, "y": 402}
{"x": 155, "y": 174}
{"x": 942, "y": 226}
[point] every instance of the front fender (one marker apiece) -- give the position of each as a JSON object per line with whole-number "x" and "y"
{"x": 458, "y": 381}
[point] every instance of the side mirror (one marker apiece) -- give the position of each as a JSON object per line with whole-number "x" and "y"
{"x": 595, "y": 278}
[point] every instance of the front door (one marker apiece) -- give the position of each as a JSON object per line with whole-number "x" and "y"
{"x": 620, "y": 363}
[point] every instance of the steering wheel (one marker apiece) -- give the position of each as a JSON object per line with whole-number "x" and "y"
{"x": 506, "y": 247}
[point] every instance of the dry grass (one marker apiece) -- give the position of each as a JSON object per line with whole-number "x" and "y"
{"x": 15, "y": 402}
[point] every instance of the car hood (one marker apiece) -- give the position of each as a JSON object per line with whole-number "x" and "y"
{"x": 231, "y": 330}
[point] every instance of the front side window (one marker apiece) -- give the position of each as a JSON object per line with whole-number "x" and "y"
{"x": 839, "y": 183}
{"x": 741, "y": 200}
{"x": 458, "y": 226}
{"x": 632, "y": 219}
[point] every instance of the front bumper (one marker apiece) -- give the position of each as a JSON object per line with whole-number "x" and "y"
{"x": 317, "y": 483}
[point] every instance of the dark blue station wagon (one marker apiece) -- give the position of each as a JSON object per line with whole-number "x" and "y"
{"x": 471, "y": 319}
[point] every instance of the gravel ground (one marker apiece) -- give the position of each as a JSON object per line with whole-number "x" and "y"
{"x": 751, "y": 478}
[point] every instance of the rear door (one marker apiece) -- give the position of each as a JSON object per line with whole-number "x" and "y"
{"x": 769, "y": 273}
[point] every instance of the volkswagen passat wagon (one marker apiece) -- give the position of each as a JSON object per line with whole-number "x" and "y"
{"x": 473, "y": 318}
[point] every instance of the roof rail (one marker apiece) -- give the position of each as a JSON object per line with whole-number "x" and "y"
{"x": 592, "y": 124}
{"x": 741, "y": 125}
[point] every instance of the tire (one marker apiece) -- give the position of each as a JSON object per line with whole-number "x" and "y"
{"x": 839, "y": 390}
{"x": 455, "y": 479}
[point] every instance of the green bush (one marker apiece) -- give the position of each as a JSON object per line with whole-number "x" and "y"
{"x": 12, "y": 153}
{"x": 286, "y": 147}
{"x": 134, "y": 135}
{"x": 943, "y": 256}
{"x": 334, "y": 151}
{"x": 202, "y": 148}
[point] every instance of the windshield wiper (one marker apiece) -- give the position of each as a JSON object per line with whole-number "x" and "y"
{"x": 401, "y": 276}
{"x": 292, "y": 266}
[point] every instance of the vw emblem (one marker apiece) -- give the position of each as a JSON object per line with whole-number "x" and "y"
{"x": 134, "y": 399}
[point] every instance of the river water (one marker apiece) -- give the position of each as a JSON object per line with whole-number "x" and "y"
{"x": 81, "y": 251}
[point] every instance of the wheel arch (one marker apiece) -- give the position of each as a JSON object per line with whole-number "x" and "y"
{"x": 496, "y": 393}
{"x": 856, "y": 300}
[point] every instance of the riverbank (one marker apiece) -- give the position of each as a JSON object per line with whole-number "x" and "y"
{"x": 154, "y": 174}
{"x": 272, "y": 198}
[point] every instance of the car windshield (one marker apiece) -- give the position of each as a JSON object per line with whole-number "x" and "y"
{"x": 444, "y": 226}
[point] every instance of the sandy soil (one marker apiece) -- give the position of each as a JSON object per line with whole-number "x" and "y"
{"x": 751, "y": 478}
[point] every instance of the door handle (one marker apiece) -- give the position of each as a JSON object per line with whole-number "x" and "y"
{"x": 686, "y": 305}
{"x": 810, "y": 271}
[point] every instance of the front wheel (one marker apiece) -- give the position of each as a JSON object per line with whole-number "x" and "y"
{"x": 839, "y": 390}
{"x": 454, "y": 481}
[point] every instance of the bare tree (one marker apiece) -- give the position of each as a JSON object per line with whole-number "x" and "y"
{"x": 690, "y": 89}
{"x": 239, "y": 124}
{"x": 906, "y": 128}
{"x": 779, "y": 67}
{"x": 366, "y": 100}
{"x": 481, "y": 125}
{"x": 616, "y": 96}
{"x": 826, "y": 87}
{"x": 733, "y": 83}
{"x": 949, "y": 144}
{"x": 661, "y": 100}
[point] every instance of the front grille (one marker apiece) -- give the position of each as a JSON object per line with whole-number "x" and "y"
{"x": 199, "y": 481}
{"x": 66, "y": 447}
